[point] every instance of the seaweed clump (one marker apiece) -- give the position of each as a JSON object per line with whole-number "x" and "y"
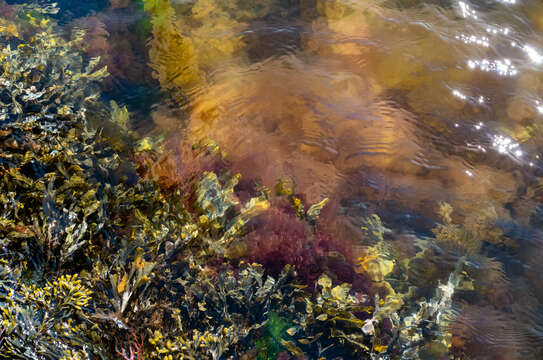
{"x": 47, "y": 321}
{"x": 49, "y": 156}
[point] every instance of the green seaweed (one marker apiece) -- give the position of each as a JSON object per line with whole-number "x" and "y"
{"x": 270, "y": 345}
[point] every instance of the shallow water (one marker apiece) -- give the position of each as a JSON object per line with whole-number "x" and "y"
{"x": 381, "y": 106}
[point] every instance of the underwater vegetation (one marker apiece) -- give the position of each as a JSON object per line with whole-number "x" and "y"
{"x": 112, "y": 248}
{"x": 191, "y": 38}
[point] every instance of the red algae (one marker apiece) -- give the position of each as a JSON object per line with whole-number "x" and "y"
{"x": 279, "y": 237}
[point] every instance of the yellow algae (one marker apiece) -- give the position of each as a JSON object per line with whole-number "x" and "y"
{"x": 480, "y": 224}
{"x": 333, "y": 9}
{"x": 186, "y": 45}
{"x": 212, "y": 51}
{"x": 445, "y": 211}
{"x": 8, "y": 28}
{"x": 483, "y": 223}
{"x": 354, "y": 34}
{"x": 456, "y": 237}
{"x": 217, "y": 37}
{"x": 375, "y": 264}
{"x": 172, "y": 55}
{"x": 413, "y": 71}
